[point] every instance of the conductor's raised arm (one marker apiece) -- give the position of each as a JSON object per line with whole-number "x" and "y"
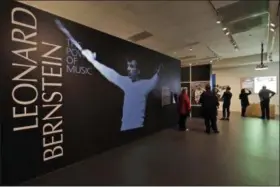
{"x": 154, "y": 80}
{"x": 110, "y": 74}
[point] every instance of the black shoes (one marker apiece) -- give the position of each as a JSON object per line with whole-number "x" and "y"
{"x": 227, "y": 119}
{"x": 215, "y": 131}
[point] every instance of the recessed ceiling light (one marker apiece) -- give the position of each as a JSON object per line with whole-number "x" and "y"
{"x": 218, "y": 22}
{"x": 211, "y": 61}
{"x": 227, "y": 33}
{"x": 272, "y": 29}
{"x": 174, "y": 52}
{"x": 272, "y": 24}
{"x": 224, "y": 28}
{"x": 190, "y": 49}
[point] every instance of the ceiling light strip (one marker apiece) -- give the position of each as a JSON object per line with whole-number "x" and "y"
{"x": 217, "y": 57}
{"x": 225, "y": 29}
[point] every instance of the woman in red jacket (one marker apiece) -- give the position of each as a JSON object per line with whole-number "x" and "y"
{"x": 184, "y": 109}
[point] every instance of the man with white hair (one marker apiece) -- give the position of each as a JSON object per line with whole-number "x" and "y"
{"x": 265, "y": 95}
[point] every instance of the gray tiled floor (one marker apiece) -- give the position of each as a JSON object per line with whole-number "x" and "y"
{"x": 246, "y": 152}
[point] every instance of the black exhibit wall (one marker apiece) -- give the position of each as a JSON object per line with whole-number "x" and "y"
{"x": 195, "y": 78}
{"x": 61, "y": 104}
{"x": 185, "y": 74}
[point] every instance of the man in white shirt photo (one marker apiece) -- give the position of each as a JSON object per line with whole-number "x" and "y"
{"x": 135, "y": 90}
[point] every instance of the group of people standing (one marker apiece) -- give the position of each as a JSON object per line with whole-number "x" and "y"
{"x": 264, "y": 95}
{"x": 210, "y": 104}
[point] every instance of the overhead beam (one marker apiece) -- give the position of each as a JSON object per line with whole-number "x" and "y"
{"x": 220, "y": 18}
{"x": 278, "y": 8}
{"x": 247, "y": 17}
{"x": 273, "y": 18}
{"x": 230, "y": 62}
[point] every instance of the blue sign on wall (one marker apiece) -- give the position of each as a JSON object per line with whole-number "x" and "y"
{"x": 213, "y": 80}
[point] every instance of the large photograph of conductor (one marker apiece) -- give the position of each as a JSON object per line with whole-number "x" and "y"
{"x": 135, "y": 89}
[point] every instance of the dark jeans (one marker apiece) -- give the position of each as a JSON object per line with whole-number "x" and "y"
{"x": 226, "y": 111}
{"x": 243, "y": 110}
{"x": 210, "y": 120}
{"x": 265, "y": 109}
{"x": 182, "y": 121}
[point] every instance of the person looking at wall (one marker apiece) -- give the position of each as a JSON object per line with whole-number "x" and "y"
{"x": 243, "y": 96}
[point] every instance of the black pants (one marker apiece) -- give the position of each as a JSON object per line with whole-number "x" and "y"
{"x": 182, "y": 121}
{"x": 243, "y": 110}
{"x": 226, "y": 111}
{"x": 210, "y": 120}
{"x": 265, "y": 109}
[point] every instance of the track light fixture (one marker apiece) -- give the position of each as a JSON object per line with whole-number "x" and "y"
{"x": 233, "y": 43}
{"x": 272, "y": 27}
{"x": 272, "y": 24}
{"x": 224, "y": 28}
{"x": 227, "y": 33}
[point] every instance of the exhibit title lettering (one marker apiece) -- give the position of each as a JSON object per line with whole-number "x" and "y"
{"x": 37, "y": 83}
{"x": 72, "y": 59}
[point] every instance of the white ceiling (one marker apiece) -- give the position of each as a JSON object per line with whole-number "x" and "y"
{"x": 174, "y": 25}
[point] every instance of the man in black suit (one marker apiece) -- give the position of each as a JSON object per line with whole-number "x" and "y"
{"x": 265, "y": 96}
{"x": 226, "y": 103}
{"x": 209, "y": 104}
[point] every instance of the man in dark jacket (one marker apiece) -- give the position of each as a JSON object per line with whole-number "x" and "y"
{"x": 243, "y": 96}
{"x": 209, "y": 104}
{"x": 226, "y": 103}
{"x": 265, "y": 96}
